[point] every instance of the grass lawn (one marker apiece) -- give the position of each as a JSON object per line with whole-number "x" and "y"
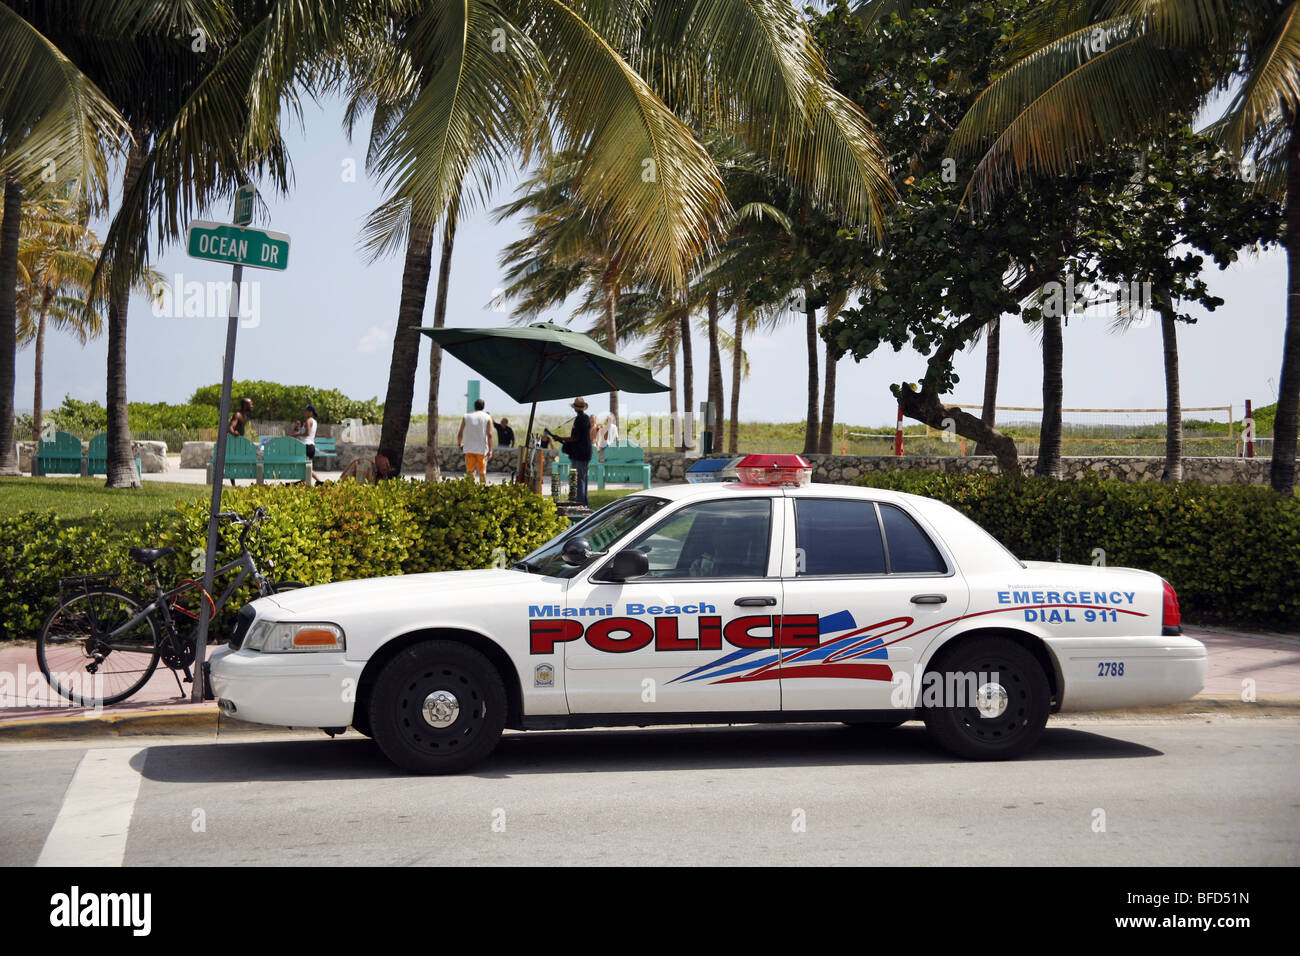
{"x": 76, "y": 498}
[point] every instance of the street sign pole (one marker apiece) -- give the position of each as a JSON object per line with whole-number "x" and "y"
{"x": 218, "y": 481}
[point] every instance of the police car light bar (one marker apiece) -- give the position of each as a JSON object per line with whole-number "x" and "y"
{"x": 776, "y": 470}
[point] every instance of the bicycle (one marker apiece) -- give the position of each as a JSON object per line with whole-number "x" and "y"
{"x": 100, "y": 638}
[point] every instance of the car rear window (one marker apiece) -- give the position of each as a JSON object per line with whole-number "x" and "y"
{"x": 910, "y": 550}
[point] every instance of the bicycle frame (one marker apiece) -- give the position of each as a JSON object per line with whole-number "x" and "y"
{"x": 161, "y": 604}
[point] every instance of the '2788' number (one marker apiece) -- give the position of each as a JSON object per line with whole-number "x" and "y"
{"x": 1110, "y": 668}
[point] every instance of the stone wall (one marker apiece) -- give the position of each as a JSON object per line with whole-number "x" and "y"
{"x": 670, "y": 467}
{"x": 450, "y": 459}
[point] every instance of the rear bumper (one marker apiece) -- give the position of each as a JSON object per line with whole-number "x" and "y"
{"x": 1112, "y": 672}
{"x": 287, "y": 690}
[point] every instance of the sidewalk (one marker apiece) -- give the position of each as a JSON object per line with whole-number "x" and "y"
{"x": 29, "y": 709}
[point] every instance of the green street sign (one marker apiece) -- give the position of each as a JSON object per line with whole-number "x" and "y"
{"x": 238, "y": 245}
{"x": 244, "y": 205}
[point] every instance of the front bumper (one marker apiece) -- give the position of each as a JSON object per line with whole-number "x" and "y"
{"x": 1106, "y": 673}
{"x": 287, "y": 690}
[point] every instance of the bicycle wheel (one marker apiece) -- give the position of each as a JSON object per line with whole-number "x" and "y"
{"x": 81, "y": 657}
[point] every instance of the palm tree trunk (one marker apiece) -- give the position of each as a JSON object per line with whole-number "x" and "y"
{"x": 992, "y": 365}
{"x": 432, "y": 464}
{"x": 1285, "y": 427}
{"x": 611, "y": 336}
{"x": 1049, "y": 437}
{"x": 826, "y": 440}
{"x": 1173, "y": 401}
{"x": 38, "y": 372}
{"x": 737, "y": 354}
{"x": 672, "y": 379}
{"x": 688, "y": 381}
{"x": 810, "y": 434}
{"x": 121, "y": 463}
{"x": 9, "y": 233}
{"x": 406, "y": 344}
{"x": 715, "y": 371}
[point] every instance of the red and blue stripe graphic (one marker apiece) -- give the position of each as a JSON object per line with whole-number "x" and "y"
{"x": 851, "y": 652}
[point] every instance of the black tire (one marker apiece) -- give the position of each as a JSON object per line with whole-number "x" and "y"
{"x": 958, "y": 725}
{"x": 81, "y": 664}
{"x": 398, "y": 721}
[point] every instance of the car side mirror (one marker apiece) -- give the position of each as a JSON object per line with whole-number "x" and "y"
{"x": 629, "y": 563}
{"x": 576, "y": 551}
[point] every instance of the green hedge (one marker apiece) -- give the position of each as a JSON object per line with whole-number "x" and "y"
{"x": 1232, "y": 552}
{"x": 275, "y": 402}
{"x": 315, "y": 535}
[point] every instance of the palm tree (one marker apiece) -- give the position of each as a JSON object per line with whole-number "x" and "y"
{"x": 199, "y": 86}
{"x": 55, "y": 124}
{"x": 1099, "y": 73}
{"x": 621, "y": 85}
{"x": 57, "y": 255}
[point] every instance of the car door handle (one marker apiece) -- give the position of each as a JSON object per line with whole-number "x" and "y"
{"x": 929, "y": 598}
{"x": 756, "y": 602}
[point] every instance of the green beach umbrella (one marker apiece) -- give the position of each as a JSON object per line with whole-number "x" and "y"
{"x": 542, "y": 361}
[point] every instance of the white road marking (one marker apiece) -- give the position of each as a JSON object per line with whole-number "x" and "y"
{"x": 95, "y": 818}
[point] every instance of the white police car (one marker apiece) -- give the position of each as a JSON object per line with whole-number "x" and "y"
{"x": 767, "y": 599}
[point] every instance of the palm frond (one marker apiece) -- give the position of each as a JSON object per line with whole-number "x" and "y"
{"x": 54, "y": 122}
{"x": 1061, "y": 104}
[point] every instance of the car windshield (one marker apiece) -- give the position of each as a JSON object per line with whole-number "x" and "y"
{"x": 601, "y": 529}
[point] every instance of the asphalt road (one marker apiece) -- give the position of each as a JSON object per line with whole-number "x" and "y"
{"x": 1097, "y": 792}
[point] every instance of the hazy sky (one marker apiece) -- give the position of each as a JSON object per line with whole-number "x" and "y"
{"x": 329, "y": 319}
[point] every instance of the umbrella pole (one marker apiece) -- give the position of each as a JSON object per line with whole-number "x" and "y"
{"x": 527, "y": 450}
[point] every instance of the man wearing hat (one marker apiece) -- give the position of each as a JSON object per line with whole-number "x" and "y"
{"x": 578, "y": 447}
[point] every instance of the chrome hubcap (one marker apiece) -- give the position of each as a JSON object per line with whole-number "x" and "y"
{"x": 991, "y": 700}
{"x": 441, "y": 708}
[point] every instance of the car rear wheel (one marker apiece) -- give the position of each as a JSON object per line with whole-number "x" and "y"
{"x": 991, "y": 700}
{"x": 437, "y": 707}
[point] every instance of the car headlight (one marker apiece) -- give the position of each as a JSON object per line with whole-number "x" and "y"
{"x": 275, "y": 637}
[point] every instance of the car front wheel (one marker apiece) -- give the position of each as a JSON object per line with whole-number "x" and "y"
{"x": 437, "y": 707}
{"x": 987, "y": 699}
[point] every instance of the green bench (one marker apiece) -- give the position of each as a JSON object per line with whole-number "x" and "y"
{"x": 62, "y": 456}
{"x": 623, "y": 462}
{"x": 285, "y": 458}
{"x": 241, "y": 459}
{"x": 97, "y": 457}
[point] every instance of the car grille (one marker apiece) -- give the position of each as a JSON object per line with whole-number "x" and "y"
{"x": 243, "y": 621}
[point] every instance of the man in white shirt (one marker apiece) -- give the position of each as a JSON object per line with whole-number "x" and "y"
{"x": 475, "y": 441}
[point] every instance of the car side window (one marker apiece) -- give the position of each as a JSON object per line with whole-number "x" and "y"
{"x": 910, "y": 550}
{"x": 713, "y": 539}
{"x": 837, "y": 537}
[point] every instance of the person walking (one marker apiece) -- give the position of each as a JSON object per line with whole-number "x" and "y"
{"x": 475, "y": 441}
{"x": 578, "y": 447}
{"x": 239, "y": 421}
{"x": 308, "y": 435}
{"x": 608, "y": 434}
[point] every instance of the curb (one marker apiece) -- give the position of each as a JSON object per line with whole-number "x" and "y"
{"x": 194, "y": 720}
{"x": 200, "y": 719}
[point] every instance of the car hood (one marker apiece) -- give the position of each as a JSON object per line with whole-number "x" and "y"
{"x": 370, "y": 594}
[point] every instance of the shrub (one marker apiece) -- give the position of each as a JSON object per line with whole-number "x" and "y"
{"x": 314, "y": 535}
{"x": 275, "y": 402}
{"x": 1231, "y": 552}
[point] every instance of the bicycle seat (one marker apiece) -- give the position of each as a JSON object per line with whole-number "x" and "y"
{"x": 149, "y": 555}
